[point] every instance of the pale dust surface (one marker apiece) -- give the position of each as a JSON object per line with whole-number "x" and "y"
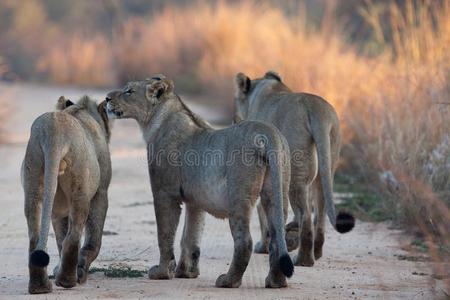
{"x": 358, "y": 265}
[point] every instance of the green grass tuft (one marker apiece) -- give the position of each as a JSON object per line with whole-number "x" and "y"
{"x": 119, "y": 272}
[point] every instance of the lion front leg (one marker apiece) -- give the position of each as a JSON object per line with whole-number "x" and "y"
{"x": 167, "y": 211}
{"x": 190, "y": 243}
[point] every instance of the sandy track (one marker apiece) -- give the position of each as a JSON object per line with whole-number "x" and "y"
{"x": 358, "y": 265}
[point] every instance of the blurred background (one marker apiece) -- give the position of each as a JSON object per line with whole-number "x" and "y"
{"x": 384, "y": 65}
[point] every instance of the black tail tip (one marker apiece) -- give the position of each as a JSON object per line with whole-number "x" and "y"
{"x": 286, "y": 265}
{"x": 344, "y": 222}
{"x": 39, "y": 258}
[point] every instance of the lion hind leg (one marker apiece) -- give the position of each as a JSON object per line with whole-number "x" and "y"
{"x": 262, "y": 246}
{"x": 93, "y": 236}
{"x": 280, "y": 262}
{"x": 302, "y": 211}
{"x": 60, "y": 227}
{"x": 60, "y": 219}
{"x": 319, "y": 228}
{"x": 240, "y": 229}
{"x": 67, "y": 274}
{"x": 190, "y": 243}
{"x": 38, "y": 281}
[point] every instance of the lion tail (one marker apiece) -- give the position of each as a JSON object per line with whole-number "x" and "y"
{"x": 321, "y": 131}
{"x": 52, "y": 158}
{"x": 275, "y": 216}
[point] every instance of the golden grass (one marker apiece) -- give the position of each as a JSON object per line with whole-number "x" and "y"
{"x": 79, "y": 61}
{"x": 400, "y": 132}
{"x": 202, "y": 42}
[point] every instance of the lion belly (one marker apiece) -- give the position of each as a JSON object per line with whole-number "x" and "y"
{"x": 207, "y": 190}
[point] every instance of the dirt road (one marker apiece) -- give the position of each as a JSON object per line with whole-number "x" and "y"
{"x": 360, "y": 265}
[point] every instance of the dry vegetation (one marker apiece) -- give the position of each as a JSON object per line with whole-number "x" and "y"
{"x": 394, "y": 105}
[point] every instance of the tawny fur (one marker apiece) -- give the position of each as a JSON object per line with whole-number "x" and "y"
{"x": 311, "y": 127}
{"x": 65, "y": 175}
{"x": 225, "y": 188}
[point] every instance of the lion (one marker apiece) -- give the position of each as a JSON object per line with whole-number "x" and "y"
{"x": 65, "y": 176}
{"x": 311, "y": 127}
{"x": 220, "y": 172}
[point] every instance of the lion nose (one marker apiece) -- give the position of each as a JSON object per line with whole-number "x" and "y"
{"x": 108, "y": 99}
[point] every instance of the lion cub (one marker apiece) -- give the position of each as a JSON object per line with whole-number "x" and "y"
{"x": 311, "y": 127}
{"x": 221, "y": 172}
{"x": 65, "y": 176}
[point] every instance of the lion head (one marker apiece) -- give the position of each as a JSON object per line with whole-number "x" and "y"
{"x": 138, "y": 98}
{"x": 246, "y": 89}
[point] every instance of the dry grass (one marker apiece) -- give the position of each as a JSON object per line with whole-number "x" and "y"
{"x": 400, "y": 134}
{"x": 202, "y": 44}
{"x": 79, "y": 61}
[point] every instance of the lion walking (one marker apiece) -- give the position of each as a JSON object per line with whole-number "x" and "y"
{"x": 65, "y": 176}
{"x": 311, "y": 127}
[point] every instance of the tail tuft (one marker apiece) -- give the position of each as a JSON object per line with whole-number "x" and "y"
{"x": 286, "y": 265}
{"x": 344, "y": 222}
{"x": 39, "y": 258}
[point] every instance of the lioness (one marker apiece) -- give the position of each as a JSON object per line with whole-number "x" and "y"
{"x": 311, "y": 127}
{"x": 65, "y": 176}
{"x": 221, "y": 172}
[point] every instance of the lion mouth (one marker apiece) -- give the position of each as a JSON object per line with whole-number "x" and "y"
{"x": 112, "y": 112}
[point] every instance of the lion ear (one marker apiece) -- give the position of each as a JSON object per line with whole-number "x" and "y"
{"x": 69, "y": 103}
{"x": 243, "y": 83}
{"x": 63, "y": 103}
{"x": 272, "y": 75}
{"x": 158, "y": 88}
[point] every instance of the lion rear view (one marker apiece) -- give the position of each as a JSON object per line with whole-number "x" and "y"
{"x": 65, "y": 175}
{"x": 311, "y": 127}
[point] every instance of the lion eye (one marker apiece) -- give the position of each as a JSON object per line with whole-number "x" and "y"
{"x": 129, "y": 91}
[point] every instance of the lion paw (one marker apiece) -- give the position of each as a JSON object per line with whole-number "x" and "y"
{"x": 318, "y": 246}
{"x": 317, "y": 253}
{"x": 292, "y": 243}
{"x": 261, "y": 247}
{"x": 225, "y": 281}
{"x": 276, "y": 282}
{"x": 304, "y": 260}
{"x": 66, "y": 282}
{"x": 186, "y": 272}
{"x": 62, "y": 280}
{"x": 156, "y": 272}
{"x": 41, "y": 286}
{"x": 81, "y": 274}
{"x": 292, "y": 236}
